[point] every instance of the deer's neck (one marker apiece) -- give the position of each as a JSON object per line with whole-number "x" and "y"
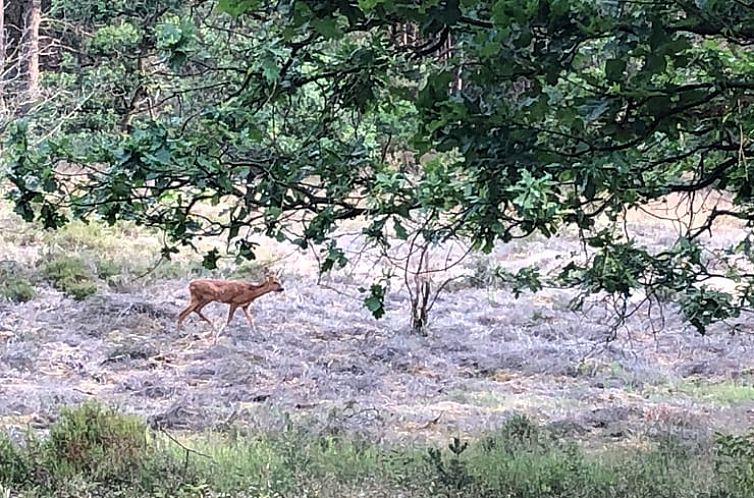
{"x": 260, "y": 290}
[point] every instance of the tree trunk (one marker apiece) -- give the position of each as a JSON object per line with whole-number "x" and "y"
{"x": 420, "y": 298}
{"x": 32, "y": 47}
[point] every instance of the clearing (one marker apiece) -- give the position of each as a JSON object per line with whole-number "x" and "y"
{"x": 318, "y": 354}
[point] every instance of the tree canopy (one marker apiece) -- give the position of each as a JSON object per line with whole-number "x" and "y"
{"x": 518, "y": 117}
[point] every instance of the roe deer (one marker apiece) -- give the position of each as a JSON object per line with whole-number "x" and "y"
{"x": 233, "y": 293}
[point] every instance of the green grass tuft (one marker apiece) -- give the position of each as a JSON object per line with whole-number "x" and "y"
{"x": 98, "y": 442}
{"x": 71, "y": 275}
{"x": 15, "y": 286}
{"x": 14, "y": 467}
{"x": 17, "y": 290}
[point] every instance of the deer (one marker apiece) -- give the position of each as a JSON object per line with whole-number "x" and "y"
{"x": 236, "y": 294}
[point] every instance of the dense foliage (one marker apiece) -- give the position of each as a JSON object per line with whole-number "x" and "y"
{"x": 518, "y": 117}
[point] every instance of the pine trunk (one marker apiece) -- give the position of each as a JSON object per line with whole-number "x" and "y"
{"x": 32, "y": 49}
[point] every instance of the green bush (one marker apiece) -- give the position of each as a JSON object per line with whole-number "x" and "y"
{"x": 80, "y": 290}
{"x": 17, "y": 290}
{"x": 107, "y": 269}
{"x": 14, "y": 468}
{"x": 71, "y": 275}
{"x": 97, "y": 441}
{"x": 735, "y": 460}
{"x": 14, "y": 285}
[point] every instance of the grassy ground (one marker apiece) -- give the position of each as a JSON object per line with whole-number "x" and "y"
{"x": 91, "y": 451}
{"x": 323, "y": 398}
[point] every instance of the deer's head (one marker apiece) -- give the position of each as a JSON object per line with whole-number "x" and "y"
{"x": 272, "y": 281}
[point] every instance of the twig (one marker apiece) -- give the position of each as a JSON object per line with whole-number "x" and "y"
{"x": 184, "y": 447}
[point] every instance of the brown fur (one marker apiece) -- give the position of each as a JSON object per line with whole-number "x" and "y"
{"x": 233, "y": 293}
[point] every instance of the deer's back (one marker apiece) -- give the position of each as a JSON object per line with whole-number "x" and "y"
{"x": 224, "y": 291}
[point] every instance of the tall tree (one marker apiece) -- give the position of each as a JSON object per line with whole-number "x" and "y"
{"x": 568, "y": 111}
{"x": 34, "y": 22}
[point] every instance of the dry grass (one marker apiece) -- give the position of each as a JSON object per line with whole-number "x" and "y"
{"x": 320, "y": 356}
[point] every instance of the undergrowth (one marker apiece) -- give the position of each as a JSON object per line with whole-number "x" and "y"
{"x": 96, "y": 451}
{"x": 15, "y": 285}
{"x": 70, "y": 275}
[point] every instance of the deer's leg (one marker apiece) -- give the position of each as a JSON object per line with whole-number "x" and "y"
{"x": 198, "y": 311}
{"x": 186, "y": 312}
{"x": 231, "y": 312}
{"x": 201, "y": 315}
{"x": 248, "y": 317}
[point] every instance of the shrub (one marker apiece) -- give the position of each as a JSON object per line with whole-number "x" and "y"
{"x": 14, "y": 468}
{"x": 735, "y": 459}
{"x": 13, "y": 283}
{"x": 97, "y": 441}
{"x": 17, "y": 290}
{"x": 521, "y": 429}
{"x": 518, "y": 433}
{"x": 107, "y": 269}
{"x": 80, "y": 290}
{"x": 70, "y": 275}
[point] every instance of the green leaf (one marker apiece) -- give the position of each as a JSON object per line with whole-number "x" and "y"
{"x": 162, "y": 155}
{"x": 328, "y": 27}
{"x": 614, "y": 69}
{"x": 367, "y": 5}
{"x": 237, "y": 7}
{"x": 450, "y": 14}
{"x": 335, "y": 257}
{"x": 400, "y": 230}
{"x": 655, "y": 63}
{"x": 246, "y": 249}
{"x": 270, "y": 70}
{"x": 375, "y": 301}
{"x": 210, "y": 259}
